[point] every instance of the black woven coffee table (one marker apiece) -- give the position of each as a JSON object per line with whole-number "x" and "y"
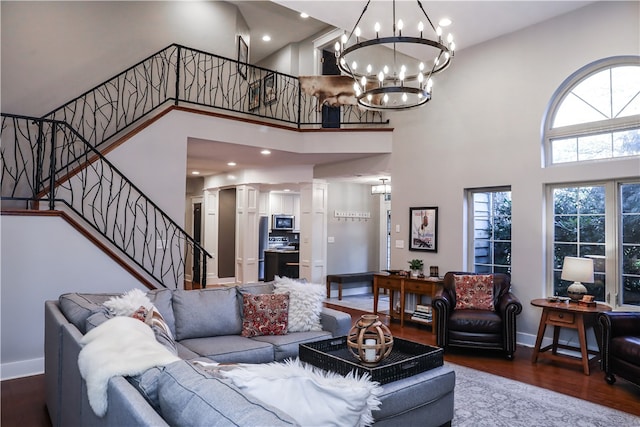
{"x": 407, "y": 358}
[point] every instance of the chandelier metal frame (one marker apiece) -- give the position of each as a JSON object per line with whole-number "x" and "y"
{"x": 395, "y": 90}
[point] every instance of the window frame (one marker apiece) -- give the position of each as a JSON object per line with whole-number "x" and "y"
{"x": 613, "y": 238}
{"x": 589, "y": 128}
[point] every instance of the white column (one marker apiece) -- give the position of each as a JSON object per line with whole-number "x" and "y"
{"x": 313, "y": 231}
{"x": 247, "y": 216}
{"x": 210, "y": 233}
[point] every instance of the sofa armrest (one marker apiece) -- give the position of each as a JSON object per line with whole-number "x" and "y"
{"x": 617, "y": 324}
{"x": 127, "y": 407}
{"x": 334, "y": 321}
{"x": 508, "y": 305}
{"x": 442, "y": 306}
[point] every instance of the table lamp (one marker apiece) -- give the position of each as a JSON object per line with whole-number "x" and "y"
{"x": 577, "y": 270}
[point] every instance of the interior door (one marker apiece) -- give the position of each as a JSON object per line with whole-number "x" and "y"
{"x": 330, "y": 115}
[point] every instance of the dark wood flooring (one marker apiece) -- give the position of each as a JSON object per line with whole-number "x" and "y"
{"x": 23, "y": 399}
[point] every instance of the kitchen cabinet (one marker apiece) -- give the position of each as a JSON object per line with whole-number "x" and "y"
{"x": 284, "y": 203}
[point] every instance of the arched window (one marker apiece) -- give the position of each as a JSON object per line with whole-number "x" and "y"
{"x": 595, "y": 113}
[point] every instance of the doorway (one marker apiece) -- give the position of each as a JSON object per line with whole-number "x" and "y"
{"x": 197, "y": 236}
{"x": 330, "y": 115}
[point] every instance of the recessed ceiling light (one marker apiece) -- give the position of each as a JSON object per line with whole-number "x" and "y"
{"x": 444, "y": 22}
{"x": 265, "y": 152}
{"x": 286, "y": 190}
{"x": 304, "y": 15}
{"x": 195, "y": 173}
{"x": 266, "y": 38}
{"x": 231, "y": 163}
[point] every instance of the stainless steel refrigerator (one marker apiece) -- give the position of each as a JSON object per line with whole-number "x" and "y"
{"x": 263, "y": 243}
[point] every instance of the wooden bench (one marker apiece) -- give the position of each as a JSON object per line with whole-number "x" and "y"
{"x": 348, "y": 278}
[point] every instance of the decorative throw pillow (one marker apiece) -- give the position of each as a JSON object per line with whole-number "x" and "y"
{"x": 474, "y": 292}
{"x": 264, "y": 314}
{"x": 305, "y": 303}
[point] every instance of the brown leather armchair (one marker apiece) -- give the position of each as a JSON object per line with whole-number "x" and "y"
{"x": 620, "y": 345}
{"x": 478, "y": 328}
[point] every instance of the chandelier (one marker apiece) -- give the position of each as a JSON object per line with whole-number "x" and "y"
{"x": 394, "y": 72}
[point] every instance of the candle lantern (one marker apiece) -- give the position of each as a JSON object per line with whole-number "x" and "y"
{"x": 370, "y": 340}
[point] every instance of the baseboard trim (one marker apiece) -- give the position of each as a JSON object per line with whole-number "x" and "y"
{"x": 23, "y": 368}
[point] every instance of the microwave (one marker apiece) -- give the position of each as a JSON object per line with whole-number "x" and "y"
{"x": 282, "y": 222}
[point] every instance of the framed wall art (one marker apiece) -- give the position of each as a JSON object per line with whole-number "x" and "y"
{"x": 270, "y": 89}
{"x": 254, "y": 95}
{"x": 423, "y": 229}
{"x": 243, "y": 57}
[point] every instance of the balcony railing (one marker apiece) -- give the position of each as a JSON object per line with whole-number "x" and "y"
{"x": 181, "y": 75}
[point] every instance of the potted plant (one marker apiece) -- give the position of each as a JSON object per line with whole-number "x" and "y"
{"x": 416, "y": 266}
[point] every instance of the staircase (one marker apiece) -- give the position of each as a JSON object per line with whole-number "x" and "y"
{"x": 56, "y": 162}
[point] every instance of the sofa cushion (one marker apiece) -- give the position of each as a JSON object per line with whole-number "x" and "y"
{"x": 77, "y": 307}
{"x": 287, "y": 346}
{"x": 305, "y": 303}
{"x": 256, "y": 288}
{"x": 206, "y": 313}
{"x": 264, "y": 314}
{"x": 474, "y": 292}
{"x": 191, "y": 397}
{"x": 231, "y": 349}
{"x": 147, "y": 385}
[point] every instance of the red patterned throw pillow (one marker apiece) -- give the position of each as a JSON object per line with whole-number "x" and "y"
{"x": 474, "y": 292}
{"x": 266, "y": 314}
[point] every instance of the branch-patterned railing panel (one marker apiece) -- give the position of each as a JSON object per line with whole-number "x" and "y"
{"x": 98, "y": 193}
{"x": 111, "y": 107}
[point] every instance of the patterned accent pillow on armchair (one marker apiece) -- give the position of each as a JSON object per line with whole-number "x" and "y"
{"x": 474, "y": 292}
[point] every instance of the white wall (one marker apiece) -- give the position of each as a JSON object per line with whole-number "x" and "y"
{"x": 54, "y": 51}
{"x": 482, "y": 128}
{"x": 49, "y": 260}
{"x": 355, "y": 245}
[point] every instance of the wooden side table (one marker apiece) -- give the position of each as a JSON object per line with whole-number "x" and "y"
{"x": 567, "y": 315}
{"x": 405, "y": 285}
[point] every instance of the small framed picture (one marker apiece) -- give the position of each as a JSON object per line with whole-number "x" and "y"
{"x": 270, "y": 89}
{"x": 423, "y": 223}
{"x": 254, "y": 95}
{"x": 243, "y": 57}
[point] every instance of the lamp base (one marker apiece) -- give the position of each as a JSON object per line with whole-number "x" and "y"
{"x": 576, "y": 291}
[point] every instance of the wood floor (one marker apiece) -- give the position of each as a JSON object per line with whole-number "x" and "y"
{"x": 23, "y": 399}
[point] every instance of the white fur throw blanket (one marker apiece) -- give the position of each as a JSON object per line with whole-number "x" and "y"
{"x": 119, "y": 346}
{"x": 309, "y": 395}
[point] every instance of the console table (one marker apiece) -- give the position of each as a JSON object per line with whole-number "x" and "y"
{"x": 567, "y": 315}
{"x": 405, "y": 285}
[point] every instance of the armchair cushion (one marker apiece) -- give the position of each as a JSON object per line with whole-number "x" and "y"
{"x": 474, "y": 292}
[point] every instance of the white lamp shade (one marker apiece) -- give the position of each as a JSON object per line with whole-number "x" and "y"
{"x": 577, "y": 269}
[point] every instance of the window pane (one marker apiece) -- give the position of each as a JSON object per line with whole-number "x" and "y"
{"x": 566, "y": 228}
{"x": 591, "y": 200}
{"x": 595, "y": 147}
{"x": 626, "y": 143}
{"x": 630, "y": 198}
{"x": 626, "y": 87}
{"x": 592, "y": 229}
{"x": 564, "y": 150}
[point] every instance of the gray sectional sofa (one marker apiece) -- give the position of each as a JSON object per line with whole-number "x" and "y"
{"x": 207, "y": 326}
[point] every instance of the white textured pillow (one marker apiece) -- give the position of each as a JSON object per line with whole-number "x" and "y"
{"x": 128, "y": 303}
{"x": 305, "y": 303}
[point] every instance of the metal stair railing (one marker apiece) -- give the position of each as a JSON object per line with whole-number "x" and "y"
{"x": 96, "y": 191}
